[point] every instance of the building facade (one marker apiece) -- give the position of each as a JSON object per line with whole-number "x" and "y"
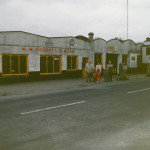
{"x": 30, "y": 55}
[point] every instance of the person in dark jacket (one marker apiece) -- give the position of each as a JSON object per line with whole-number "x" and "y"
{"x": 94, "y": 74}
{"x": 106, "y": 72}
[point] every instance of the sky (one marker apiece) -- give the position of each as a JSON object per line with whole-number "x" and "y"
{"x": 107, "y": 19}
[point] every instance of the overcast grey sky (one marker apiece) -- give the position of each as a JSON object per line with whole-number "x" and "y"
{"x": 106, "y": 18}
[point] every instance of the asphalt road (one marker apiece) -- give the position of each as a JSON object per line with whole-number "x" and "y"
{"x": 110, "y": 117}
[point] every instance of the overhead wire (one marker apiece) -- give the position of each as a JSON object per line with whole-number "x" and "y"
{"x": 120, "y": 27}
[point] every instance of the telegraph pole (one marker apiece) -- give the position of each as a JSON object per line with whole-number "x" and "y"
{"x": 127, "y": 19}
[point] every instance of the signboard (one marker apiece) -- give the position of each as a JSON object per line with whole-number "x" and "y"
{"x": 41, "y": 49}
{"x": 132, "y": 57}
{"x": 112, "y": 48}
{"x": 56, "y": 58}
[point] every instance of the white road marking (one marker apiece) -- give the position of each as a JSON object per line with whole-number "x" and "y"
{"x": 34, "y": 111}
{"x": 138, "y": 90}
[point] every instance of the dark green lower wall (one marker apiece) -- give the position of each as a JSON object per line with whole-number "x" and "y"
{"x": 141, "y": 69}
{"x": 35, "y": 76}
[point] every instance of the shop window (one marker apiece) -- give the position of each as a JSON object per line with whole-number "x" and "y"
{"x": 69, "y": 62}
{"x": 72, "y": 63}
{"x": 43, "y": 64}
{"x": 23, "y": 64}
{"x": 147, "y": 51}
{"x": 50, "y": 64}
{"x": 6, "y": 64}
{"x": 14, "y": 64}
{"x": 56, "y": 64}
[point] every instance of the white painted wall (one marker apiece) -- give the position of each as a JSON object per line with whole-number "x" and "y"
{"x": 65, "y": 43}
{"x": 99, "y": 46}
{"x": 79, "y": 62}
{"x": 145, "y": 58}
{"x": 104, "y": 60}
{"x": 34, "y": 62}
{"x": 119, "y": 61}
{"x": 133, "y": 63}
{"x": 64, "y": 62}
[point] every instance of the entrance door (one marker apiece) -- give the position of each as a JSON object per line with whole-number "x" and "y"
{"x": 84, "y": 61}
{"x": 114, "y": 60}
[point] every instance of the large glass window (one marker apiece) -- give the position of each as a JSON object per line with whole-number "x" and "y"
{"x": 43, "y": 64}
{"x": 6, "y": 64}
{"x": 72, "y": 63}
{"x": 50, "y": 64}
{"x": 23, "y": 64}
{"x": 69, "y": 62}
{"x": 14, "y": 64}
{"x": 56, "y": 64}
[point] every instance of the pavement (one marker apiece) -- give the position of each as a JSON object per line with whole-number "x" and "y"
{"x": 51, "y": 86}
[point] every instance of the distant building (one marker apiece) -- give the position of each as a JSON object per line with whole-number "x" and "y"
{"x": 146, "y": 53}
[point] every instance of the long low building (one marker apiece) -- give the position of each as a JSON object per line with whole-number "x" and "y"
{"x": 26, "y": 54}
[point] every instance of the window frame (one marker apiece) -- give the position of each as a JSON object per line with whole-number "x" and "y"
{"x": 60, "y": 64}
{"x": 16, "y": 74}
{"x": 71, "y": 63}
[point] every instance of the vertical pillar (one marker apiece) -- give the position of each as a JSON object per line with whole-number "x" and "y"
{"x": 34, "y": 62}
{"x": 104, "y": 60}
{"x": 119, "y": 61}
{"x": 79, "y": 62}
{"x": 91, "y": 57}
{"x": 64, "y": 62}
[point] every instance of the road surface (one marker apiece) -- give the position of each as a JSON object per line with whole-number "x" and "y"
{"x": 109, "y": 117}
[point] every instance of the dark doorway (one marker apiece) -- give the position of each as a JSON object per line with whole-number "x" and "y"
{"x": 114, "y": 61}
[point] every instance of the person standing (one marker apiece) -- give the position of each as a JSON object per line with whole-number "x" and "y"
{"x": 98, "y": 70}
{"x": 110, "y": 70}
{"x": 106, "y": 72}
{"x": 94, "y": 74}
{"x": 88, "y": 69}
